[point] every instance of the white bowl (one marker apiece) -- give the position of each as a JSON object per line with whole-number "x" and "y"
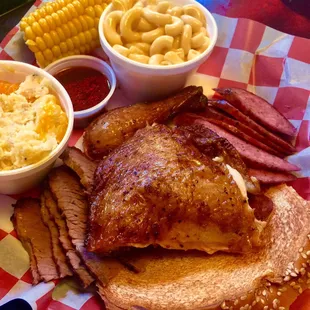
{"x": 20, "y": 180}
{"x": 82, "y": 118}
{"x": 142, "y": 82}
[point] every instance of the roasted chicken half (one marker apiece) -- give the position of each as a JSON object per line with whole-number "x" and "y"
{"x": 157, "y": 188}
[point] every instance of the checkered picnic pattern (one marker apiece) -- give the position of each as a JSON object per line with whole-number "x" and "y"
{"x": 272, "y": 64}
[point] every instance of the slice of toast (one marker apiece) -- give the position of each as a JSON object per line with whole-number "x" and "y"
{"x": 194, "y": 280}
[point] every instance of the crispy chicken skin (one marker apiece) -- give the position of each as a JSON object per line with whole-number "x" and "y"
{"x": 211, "y": 144}
{"x": 111, "y": 129}
{"x": 158, "y": 189}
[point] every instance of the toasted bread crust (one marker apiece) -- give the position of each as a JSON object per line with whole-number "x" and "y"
{"x": 193, "y": 280}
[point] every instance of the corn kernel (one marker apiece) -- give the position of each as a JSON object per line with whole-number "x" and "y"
{"x": 83, "y": 22}
{"x": 96, "y": 21}
{"x": 56, "y": 19}
{"x": 43, "y": 12}
{"x": 48, "y": 54}
{"x": 40, "y": 59}
{"x": 61, "y": 34}
{"x": 84, "y": 3}
{"x": 72, "y": 28}
{"x": 82, "y": 38}
{"x": 40, "y": 44}
{"x": 90, "y": 21}
{"x": 78, "y": 7}
{"x": 61, "y": 3}
{"x": 30, "y": 20}
{"x": 98, "y": 1}
{"x": 59, "y": 57}
{"x": 82, "y": 49}
{"x": 55, "y": 37}
{"x": 29, "y": 34}
{"x": 32, "y": 46}
{"x": 50, "y": 22}
{"x": 77, "y": 25}
{"x": 49, "y": 9}
{"x": 23, "y": 25}
{"x": 90, "y": 12}
{"x": 37, "y": 29}
{"x": 67, "y": 13}
{"x": 56, "y": 51}
{"x": 48, "y": 40}
{"x": 72, "y": 10}
{"x": 56, "y": 5}
{"x": 76, "y": 51}
{"x": 63, "y": 47}
{"x": 70, "y": 45}
{"x": 98, "y": 10}
{"x": 70, "y": 53}
{"x": 62, "y": 16}
{"x": 91, "y": 2}
{"x": 94, "y": 33}
{"x": 76, "y": 41}
{"x": 88, "y": 36}
{"x": 44, "y": 25}
{"x": 66, "y": 31}
{"x": 36, "y": 15}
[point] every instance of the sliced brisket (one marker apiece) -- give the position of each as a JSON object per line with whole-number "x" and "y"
{"x": 72, "y": 202}
{"x": 65, "y": 239}
{"x": 36, "y": 278}
{"x": 58, "y": 250}
{"x": 74, "y": 206}
{"x": 36, "y": 239}
{"x": 81, "y": 165}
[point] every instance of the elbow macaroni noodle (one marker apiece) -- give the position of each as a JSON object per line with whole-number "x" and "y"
{"x": 156, "y": 33}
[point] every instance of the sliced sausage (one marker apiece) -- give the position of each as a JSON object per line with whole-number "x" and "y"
{"x": 258, "y": 109}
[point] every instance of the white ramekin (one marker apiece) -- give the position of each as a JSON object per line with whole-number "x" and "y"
{"x": 20, "y": 180}
{"x": 149, "y": 82}
{"x": 82, "y": 118}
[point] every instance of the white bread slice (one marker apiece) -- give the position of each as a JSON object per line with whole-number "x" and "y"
{"x": 174, "y": 280}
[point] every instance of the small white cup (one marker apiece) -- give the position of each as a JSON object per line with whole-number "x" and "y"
{"x": 82, "y": 118}
{"x": 143, "y": 82}
{"x": 20, "y": 180}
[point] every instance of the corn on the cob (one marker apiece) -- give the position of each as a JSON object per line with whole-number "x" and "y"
{"x": 63, "y": 28}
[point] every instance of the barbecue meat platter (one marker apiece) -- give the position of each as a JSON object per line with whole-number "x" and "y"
{"x": 174, "y": 204}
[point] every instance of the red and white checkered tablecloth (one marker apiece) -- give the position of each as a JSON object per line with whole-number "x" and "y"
{"x": 272, "y": 64}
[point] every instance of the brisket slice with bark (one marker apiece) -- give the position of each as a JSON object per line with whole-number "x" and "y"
{"x": 35, "y": 238}
{"x": 81, "y": 165}
{"x": 72, "y": 202}
{"x": 74, "y": 259}
{"x": 58, "y": 251}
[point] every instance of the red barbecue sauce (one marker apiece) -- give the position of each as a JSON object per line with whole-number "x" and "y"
{"x": 85, "y": 86}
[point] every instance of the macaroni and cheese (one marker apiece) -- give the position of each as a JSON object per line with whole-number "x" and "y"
{"x": 32, "y": 123}
{"x": 156, "y": 33}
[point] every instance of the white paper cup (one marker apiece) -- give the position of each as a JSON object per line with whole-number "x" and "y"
{"x": 142, "y": 82}
{"x": 20, "y": 180}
